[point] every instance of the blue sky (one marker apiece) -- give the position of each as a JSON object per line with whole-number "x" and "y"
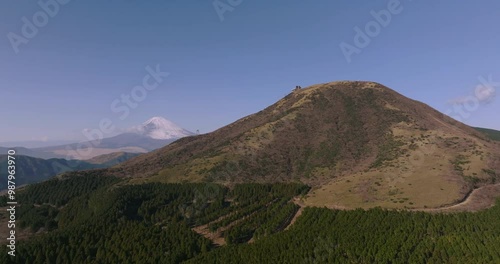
{"x": 65, "y": 78}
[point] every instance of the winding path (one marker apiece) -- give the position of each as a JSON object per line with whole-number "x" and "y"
{"x": 479, "y": 199}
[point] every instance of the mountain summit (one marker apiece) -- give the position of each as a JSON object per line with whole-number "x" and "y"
{"x": 359, "y": 144}
{"x": 161, "y": 128}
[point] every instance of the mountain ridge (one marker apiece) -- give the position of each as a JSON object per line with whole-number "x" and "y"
{"x": 31, "y": 170}
{"x": 358, "y": 143}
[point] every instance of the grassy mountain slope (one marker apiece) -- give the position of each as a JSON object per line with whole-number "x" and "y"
{"x": 360, "y": 144}
{"x": 112, "y": 159}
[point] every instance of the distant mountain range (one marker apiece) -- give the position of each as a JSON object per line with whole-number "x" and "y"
{"x": 33, "y": 170}
{"x": 32, "y": 153}
{"x": 36, "y": 143}
{"x": 155, "y": 133}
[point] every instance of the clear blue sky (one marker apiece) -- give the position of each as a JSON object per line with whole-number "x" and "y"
{"x": 91, "y": 52}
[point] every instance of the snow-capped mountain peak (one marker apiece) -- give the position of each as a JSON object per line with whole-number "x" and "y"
{"x": 161, "y": 128}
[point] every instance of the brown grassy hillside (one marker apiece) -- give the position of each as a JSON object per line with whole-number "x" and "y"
{"x": 360, "y": 144}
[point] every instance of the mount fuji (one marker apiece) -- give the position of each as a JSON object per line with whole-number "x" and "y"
{"x": 154, "y": 133}
{"x": 160, "y": 128}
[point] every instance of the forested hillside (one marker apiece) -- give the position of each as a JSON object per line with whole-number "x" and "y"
{"x": 95, "y": 219}
{"x": 493, "y": 134}
{"x": 374, "y": 236}
{"x": 92, "y": 219}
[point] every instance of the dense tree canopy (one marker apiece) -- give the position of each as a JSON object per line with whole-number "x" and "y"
{"x": 95, "y": 219}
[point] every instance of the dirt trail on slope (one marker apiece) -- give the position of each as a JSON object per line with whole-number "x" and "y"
{"x": 297, "y": 214}
{"x": 217, "y": 236}
{"x": 479, "y": 199}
